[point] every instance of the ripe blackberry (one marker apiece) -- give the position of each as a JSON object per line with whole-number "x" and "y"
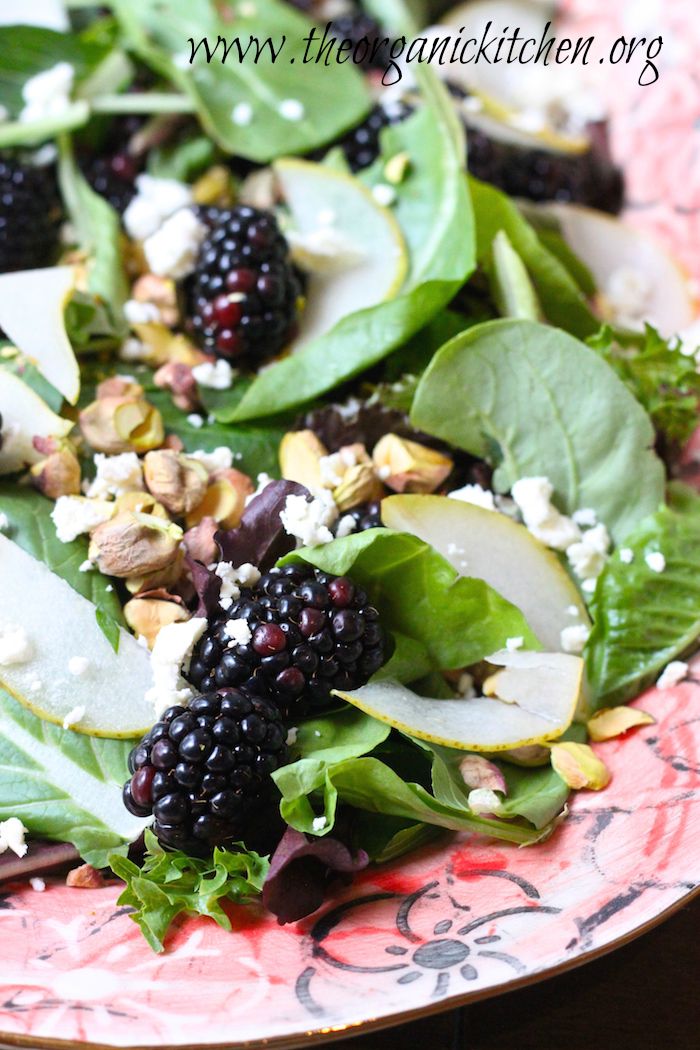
{"x": 112, "y": 172}
{"x": 310, "y": 633}
{"x": 242, "y": 297}
{"x": 361, "y": 145}
{"x": 370, "y": 44}
{"x": 30, "y": 214}
{"x": 203, "y": 770}
{"x": 366, "y": 516}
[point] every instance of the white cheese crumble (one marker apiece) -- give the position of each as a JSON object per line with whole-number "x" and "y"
{"x": 134, "y": 350}
{"x": 333, "y": 468}
{"x": 74, "y": 515}
{"x": 514, "y": 643}
{"x": 37, "y": 884}
{"x": 346, "y": 526}
{"x": 137, "y": 312}
{"x": 155, "y": 201}
{"x": 220, "y": 458}
{"x": 672, "y": 674}
{"x": 216, "y": 375}
{"x": 291, "y": 109}
{"x": 86, "y": 566}
{"x": 533, "y": 498}
{"x": 12, "y": 832}
{"x": 15, "y": 645}
{"x": 47, "y": 94}
{"x": 262, "y": 481}
{"x": 572, "y": 610}
{"x": 247, "y": 574}
{"x": 586, "y": 517}
{"x": 75, "y": 715}
{"x": 384, "y": 194}
{"x": 309, "y": 522}
{"x": 483, "y": 801}
{"x": 195, "y": 420}
{"x": 232, "y": 579}
{"x": 169, "y": 657}
{"x": 656, "y": 561}
{"x": 78, "y": 666}
{"x": 574, "y": 638}
{"x": 4, "y": 522}
{"x": 475, "y": 494}
{"x": 292, "y": 733}
{"x": 116, "y": 475}
{"x": 172, "y": 250}
{"x": 626, "y": 555}
{"x": 587, "y": 557}
{"x": 242, "y": 114}
{"x": 465, "y": 686}
{"x": 238, "y": 632}
{"x": 318, "y": 823}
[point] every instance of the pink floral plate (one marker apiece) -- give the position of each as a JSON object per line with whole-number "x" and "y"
{"x": 452, "y": 923}
{"x": 455, "y": 922}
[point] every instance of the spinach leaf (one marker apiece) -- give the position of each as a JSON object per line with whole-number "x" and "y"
{"x": 534, "y": 401}
{"x": 435, "y": 215}
{"x": 558, "y": 293}
{"x": 64, "y": 785}
{"x": 451, "y": 620}
{"x": 642, "y": 618}
{"x": 161, "y": 34}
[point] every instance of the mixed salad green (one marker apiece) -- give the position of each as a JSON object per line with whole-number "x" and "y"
{"x": 453, "y": 409}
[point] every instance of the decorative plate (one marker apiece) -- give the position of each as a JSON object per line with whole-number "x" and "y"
{"x": 452, "y": 922}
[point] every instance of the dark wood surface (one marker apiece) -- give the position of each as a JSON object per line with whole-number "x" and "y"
{"x": 643, "y": 996}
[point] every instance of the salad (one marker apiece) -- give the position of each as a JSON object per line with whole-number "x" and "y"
{"x": 342, "y": 443}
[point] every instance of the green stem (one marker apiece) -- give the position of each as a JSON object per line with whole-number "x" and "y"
{"x": 147, "y": 102}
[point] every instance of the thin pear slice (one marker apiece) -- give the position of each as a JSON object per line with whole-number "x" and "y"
{"x": 540, "y": 696}
{"x": 491, "y": 547}
{"x": 607, "y": 246}
{"x": 32, "y": 305}
{"x": 328, "y": 206}
{"x": 24, "y": 416}
{"x": 58, "y": 624}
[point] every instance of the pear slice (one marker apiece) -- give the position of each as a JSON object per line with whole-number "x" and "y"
{"x": 534, "y": 700}
{"x": 491, "y": 547}
{"x": 55, "y": 624}
{"x": 352, "y": 245}
{"x": 32, "y": 304}
{"x": 607, "y": 246}
{"x": 24, "y": 416}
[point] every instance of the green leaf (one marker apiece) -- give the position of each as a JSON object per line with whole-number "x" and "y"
{"x": 454, "y": 620}
{"x": 663, "y": 380}
{"x": 559, "y": 295}
{"x": 160, "y": 34}
{"x": 513, "y": 288}
{"x": 170, "y": 883}
{"x": 534, "y": 401}
{"x": 64, "y": 785}
{"x": 435, "y": 215}
{"x": 31, "y": 526}
{"x": 643, "y": 619}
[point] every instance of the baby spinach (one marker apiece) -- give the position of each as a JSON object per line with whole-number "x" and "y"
{"x": 532, "y": 400}
{"x": 332, "y": 101}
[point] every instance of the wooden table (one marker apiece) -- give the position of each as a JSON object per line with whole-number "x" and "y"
{"x": 643, "y": 996}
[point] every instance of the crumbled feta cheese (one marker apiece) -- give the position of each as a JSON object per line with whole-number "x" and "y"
{"x": 137, "y": 312}
{"x": 195, "y": 420}
{"x": 4, "y": 522}
{"x": 215, "y": 375}
{"x": 47, "y": 94}
{"x": 586, "y": 517}
{"x": 116, "y": 475}
{"x": 86, "y": 566}
{"x": 170, "y": 656}
{"x": 384, "y": 194}
{"x": 465, "y": 686}
{"x": 109, "y": 588}
{"x": 238, "y": 631}
{"x": 291, "y": 109}
{"x": 483, "y": 801}
{"x": 626, "y": 555}
{"x": 78, "y": 665}
{"x": 475, "y": 494}
{"x": 587, "y": 557}
{"x": 172, "y": 250}
{"x": 75, "y": 715}
{"x": 74, "y": 515}
{"x": 220, "y": 458}
{"x": 346, "y": 526}
{"x": 542, "y": 519}
{"x": 134, "y": 350}
{"x": 37, "y": 884}
{"x": 12, "y": 832}
{"x": 292, "y": 733}
{"x": 242, "y": 114}
{"x": 232, "y": 579}
{"x": 318, "y": 823}
{"x": 656, "y": 561}
{"x": 155, "y": 201}
{"x": 47, "y": 14}
{"x": 248, "y": 575}
{"x": 514, "y": 643}
{"x": 333, "y": 468}
{"x": 672, "y": 674}
{"x": 310, "y": 521}
{"x": 574, "y": 638}
{"x": 572, "y": 610}
{"x": 589, "y": 585}
{"x": 15, "y": 645}
{"x": 262, "y": 481}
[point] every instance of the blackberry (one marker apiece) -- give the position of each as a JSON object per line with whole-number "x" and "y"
{"x": 361, "y": 145}
{"x": 310, "y": 633}
{"x": 204, "y": 770}
{"x": 366, "y": 516}
{"x": 30, "y": 214}
{"x": 242, "y": 298}
{"x": 112, "y": 172}
{"x": 370, "y": 45}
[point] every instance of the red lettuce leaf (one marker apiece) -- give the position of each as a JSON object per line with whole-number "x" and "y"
{"x": 260, "y": 538}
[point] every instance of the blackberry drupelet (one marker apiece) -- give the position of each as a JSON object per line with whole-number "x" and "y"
{"x": 242, "y": 297}
{"x": 202, "y": 771}
{"x": 30, "y": 214}
{"x": 311, "y": 633}
{"x": 366, "y": 516}
{"x": 112, "y": 172}
{"x": 361, "y": 145}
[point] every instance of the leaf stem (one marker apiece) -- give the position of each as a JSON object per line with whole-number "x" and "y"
{"x": 146, "y": 102}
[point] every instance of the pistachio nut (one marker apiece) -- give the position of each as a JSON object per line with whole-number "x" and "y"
{"x": 406, "y": 466}
{"x": 175, "y": 480}
{"x": 134, "y": 544}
